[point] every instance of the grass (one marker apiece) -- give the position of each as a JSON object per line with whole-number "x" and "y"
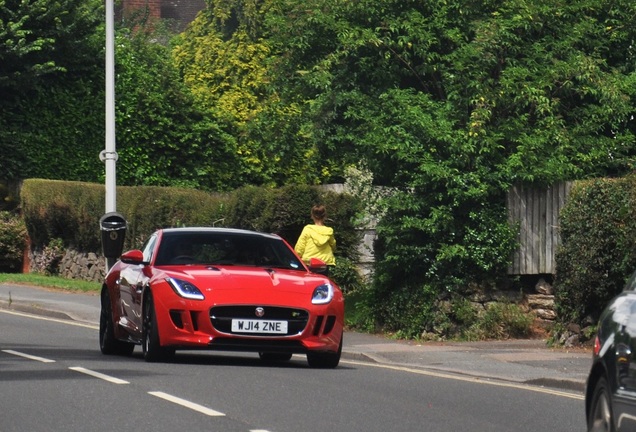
{"x": 55, "y": 282}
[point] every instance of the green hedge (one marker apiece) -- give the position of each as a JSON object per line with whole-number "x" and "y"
{"x": 598, "y": 247}
{"x": 286, "y": 211}
{"x": 69, "y": 212}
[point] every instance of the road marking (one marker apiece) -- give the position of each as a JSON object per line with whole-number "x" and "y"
{"x": 544, "y": 390}
{"x": 98, "y": 375}
{"x": 44, "y": 318}
{"x": 470, "y": 379}
{"x": 30, "y": 357}
{"x": 187, "y": 404}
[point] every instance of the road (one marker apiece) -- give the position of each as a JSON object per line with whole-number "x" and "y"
{"x": 53, "y": 378}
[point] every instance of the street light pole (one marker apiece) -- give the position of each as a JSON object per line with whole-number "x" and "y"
{"x": 109, "y": 154}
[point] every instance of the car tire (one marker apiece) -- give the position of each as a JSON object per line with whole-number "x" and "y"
{"x": 269, "y": 357}
{"x": 108, "y": 344}
{"x": 150, "y": 343}
{"x": 325, "y": 360}
{"x": 601, "y": 418}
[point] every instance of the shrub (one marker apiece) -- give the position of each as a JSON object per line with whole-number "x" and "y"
{"x": 13, "y": 236}
{"x": 598, "y": 247}
{"x": 501, "y": 321}
{"x": 70, "y": 211}
{"x": 285, "y": 211}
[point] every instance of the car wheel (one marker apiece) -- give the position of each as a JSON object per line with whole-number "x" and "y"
{"x": 269, "y": 357}
{"x": 108, "y": 344}
{"x": 601, "y": 410}
{"x": 152, "y": 349}
{"x": 322, "y": 360}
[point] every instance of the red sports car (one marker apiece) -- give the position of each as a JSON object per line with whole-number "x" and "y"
{"x": 220, "y": 289}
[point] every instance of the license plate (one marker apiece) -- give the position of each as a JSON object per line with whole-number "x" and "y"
{"x": 258, "y": 326}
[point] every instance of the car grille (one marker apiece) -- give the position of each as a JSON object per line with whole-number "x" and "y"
{"x": 221, "y": 317}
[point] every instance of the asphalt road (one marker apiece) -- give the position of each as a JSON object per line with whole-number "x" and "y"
{"x": 53, "y": 377}
{"x": 530, "y": 362}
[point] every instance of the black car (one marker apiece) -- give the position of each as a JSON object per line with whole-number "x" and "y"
{"x": 610, "y": 394}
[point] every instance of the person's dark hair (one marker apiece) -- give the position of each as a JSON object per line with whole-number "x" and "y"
{"x": 318, "y": 212}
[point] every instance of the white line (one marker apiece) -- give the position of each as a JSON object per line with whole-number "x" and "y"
{"x": 99, "y": 375}
{"x": 470, "y": 379}
{"x": 187, "y": 404}
{"x": 30, "y": 357}
{"x": 43, "y": 318}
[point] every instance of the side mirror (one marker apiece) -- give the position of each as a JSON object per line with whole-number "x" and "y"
{"x": 132, "y": 257}
{"x": 317, "y": 265}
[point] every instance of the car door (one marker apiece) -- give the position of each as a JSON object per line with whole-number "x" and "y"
{"x": 131, "y": 282}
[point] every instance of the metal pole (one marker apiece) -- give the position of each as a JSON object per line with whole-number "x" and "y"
{"x": 109, "y": 155}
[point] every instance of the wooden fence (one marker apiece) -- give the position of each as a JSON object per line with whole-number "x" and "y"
{"x": 536, "y": 212}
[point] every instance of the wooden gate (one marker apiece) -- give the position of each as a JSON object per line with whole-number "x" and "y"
{"x": 535, "y": 211}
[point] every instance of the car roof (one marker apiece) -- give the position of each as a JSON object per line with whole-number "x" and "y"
{"x": 194, "y": 230}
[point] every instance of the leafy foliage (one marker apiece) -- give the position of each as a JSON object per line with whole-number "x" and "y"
{"x": 450, "y": 104}
{"x": 597, "y": 252}
{"x": 13, "y": 237}
{"x": 50, "y": 68}
{"x": 164, "y": 139}
{"x": 69, "y": 212}
{"x": 286, "y": 210}
{"x": 44, "y": 37}
{"x": 447, "y": 103}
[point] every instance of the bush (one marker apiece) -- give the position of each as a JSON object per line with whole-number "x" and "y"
{"x": 13, "y": 237}
{"x": 285, "y": 211}
{"x": 501, "y": 321}
{"x": 598, "y": 247}
{"x": 70, "y": 211}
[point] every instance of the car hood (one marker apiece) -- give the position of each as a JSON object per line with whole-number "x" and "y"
{"x": 225, "y": 284}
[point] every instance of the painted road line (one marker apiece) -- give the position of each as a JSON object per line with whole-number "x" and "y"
{"x": 30, "y": 357}
{"x": 475, "y": 380}
{"x": 102, "y": 376}
{"x": 187, "y": 404}
{"x": 57, "y": 320}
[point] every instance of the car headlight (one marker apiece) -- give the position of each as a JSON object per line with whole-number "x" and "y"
{"x": 185, "y": 289}
{"x": 322, "y": 294}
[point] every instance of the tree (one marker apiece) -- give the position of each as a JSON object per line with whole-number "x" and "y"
{"x": 450, "y": 103}
{"x": 224, "y": 59}
{"x": 43, "y": 37}
{"x": 164, "y": 137}
{"x": 51, "y": 61}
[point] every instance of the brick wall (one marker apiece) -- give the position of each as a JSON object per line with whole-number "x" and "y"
{"x": 179, "y": 12}
{"x": 150, "y": 7}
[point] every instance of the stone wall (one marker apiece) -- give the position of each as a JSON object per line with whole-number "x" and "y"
{"x": 84, "y": 266}
{"x": 70, "y": 264}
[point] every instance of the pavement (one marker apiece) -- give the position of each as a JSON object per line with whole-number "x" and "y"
{"x": 519, "y": 361}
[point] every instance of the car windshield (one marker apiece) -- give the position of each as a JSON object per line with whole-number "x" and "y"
{"x": 225, "y": 248}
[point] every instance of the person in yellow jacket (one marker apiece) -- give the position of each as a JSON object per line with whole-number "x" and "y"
{"x": 317, "y": 239}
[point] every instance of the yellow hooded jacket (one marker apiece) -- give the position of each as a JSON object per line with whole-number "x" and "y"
{"x": 316, "y": 241}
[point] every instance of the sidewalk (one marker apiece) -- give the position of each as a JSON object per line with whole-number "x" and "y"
{"x": 519, "y": 361}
